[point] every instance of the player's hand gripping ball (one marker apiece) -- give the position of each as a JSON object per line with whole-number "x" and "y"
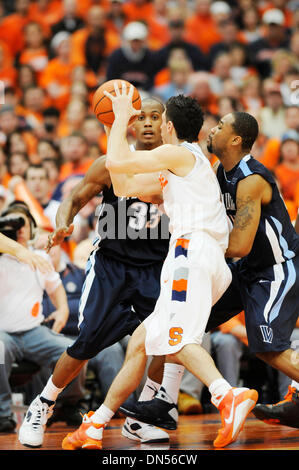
{"x": 102, "y": 105}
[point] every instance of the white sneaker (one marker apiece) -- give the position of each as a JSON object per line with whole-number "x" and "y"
{"x": 142, "y": 432}
{"x": 31, "y": 432}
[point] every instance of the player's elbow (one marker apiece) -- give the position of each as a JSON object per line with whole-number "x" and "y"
{"x": 239, "y": 251}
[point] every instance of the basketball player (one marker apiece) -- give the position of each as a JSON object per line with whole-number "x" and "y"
{"x": 123, "y": 272}
{"x": 266, "y": 280}
{"x": 193, "y": 276}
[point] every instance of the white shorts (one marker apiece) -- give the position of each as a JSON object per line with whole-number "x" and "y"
{"x": 194, "y": 276}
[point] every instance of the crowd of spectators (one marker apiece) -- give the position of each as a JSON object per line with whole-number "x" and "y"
{"x": 230, "y": 55}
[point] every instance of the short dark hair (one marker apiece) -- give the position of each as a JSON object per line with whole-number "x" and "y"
{"x": 186, "y": 115}
{"x": 246, "y": 126}
{"x": 36, "y": 166}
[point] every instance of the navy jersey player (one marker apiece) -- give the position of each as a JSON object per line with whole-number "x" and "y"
{"x": 122, "y": 280}
{"x": 266, "y": 277}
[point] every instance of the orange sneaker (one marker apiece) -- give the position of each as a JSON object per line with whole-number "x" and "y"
{"x": 88, "y": 436}
{"x": 234, "y": 409}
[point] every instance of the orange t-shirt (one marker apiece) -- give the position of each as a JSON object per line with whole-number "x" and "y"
{"x": 288, "y": 180}
{"x": 271, "y": 153}
{"x": 78, "y": 41}
{"x": 11, "y": 32}
{"x": 60, "y": 73}
{"x": 135, "y": 12}
{"x": 202, "y": 31}
{"x": 68, "y": 169}
{"x": 47, "y": 16}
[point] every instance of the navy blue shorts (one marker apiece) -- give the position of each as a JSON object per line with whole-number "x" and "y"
{"x": 115, "y": 299}
{"x": 270, "y": 299}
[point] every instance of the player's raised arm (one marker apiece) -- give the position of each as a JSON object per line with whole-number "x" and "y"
{"x": 120, "y": 159}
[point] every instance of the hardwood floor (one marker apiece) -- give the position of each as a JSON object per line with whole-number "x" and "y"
{"x": 194, "y": 433}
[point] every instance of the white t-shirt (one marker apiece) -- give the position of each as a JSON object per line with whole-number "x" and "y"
{"x": 194, "y": 202}
{"x": 21, "y": 293}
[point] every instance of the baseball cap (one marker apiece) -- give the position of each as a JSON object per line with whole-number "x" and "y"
{"x": 220, "y": 7}
{"x": 135, "y": 30}
{"x": 290, "y": 134}
{"x": 273, "y": 16}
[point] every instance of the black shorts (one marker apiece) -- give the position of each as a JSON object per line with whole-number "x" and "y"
{"x": 270, "y": 299}
{"x": 115, "y": 299}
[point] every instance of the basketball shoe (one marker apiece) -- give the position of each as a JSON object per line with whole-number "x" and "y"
{"x": 234, "y": 408}
{"x": 285, "y": 412}
{"x": 31, "y": 432}
{"x": 88, "y": 436}
{"x": 142, "y": 432}
{"x": 161, "y": 411}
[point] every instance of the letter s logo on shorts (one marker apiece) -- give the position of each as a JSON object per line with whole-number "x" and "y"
{"x": 175, "y": 335}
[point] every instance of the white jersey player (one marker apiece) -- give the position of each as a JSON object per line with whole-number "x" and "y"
{"x": 193, "y": 277}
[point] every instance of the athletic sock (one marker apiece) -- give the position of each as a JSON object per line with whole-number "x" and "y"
{"x": 218, "y": 389}
{"x": 102, "y": 415}
{"x": 50, "y": 392}
{"x": 149, "y": 390}
{"x": 172, "y": 377}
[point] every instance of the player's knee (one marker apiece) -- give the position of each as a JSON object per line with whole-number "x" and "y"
{"x": 137, "y": 342}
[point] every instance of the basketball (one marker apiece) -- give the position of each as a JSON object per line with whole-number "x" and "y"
{"x": 102, "y": 105}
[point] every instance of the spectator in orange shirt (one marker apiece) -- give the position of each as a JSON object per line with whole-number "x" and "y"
{"x": 35, "y": 52}
{"x": 138, "y": 10}
{"x": 11, "y": 30}
{"x": 94, "y": 43}
{"x": 73, "y": 118}
{"x": 56, "y": 78}
{"x": 34, "y": 102}
{"x": 287, "y": 171}
{"x": 201, "y": 27}
{"x": 74, "y": 150}
{"x": 8, "y": 74}
{"x": 46, "y": 12}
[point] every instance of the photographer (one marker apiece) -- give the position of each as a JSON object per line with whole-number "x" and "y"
{"x": 13, "y": 248}
{"x": 21, "y": 329}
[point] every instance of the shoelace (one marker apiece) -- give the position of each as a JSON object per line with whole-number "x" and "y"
{"x": 288, "y": 396}
{"x": 37, "y": 423}
{"x": 39, "y": 418}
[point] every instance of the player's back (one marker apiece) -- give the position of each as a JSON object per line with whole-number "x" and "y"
{"x": 276, "y": 240}
{"x": 194, "y": 202}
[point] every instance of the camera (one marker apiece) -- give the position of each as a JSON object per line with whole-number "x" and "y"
{"x": 10, "y": 224}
